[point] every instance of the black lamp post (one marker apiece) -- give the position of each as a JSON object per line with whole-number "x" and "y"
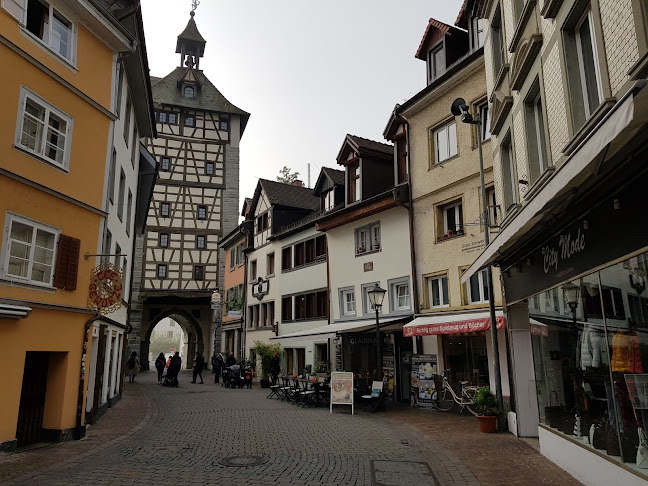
{"x": 572, "y": 293}
{"x": 376, "y": 296}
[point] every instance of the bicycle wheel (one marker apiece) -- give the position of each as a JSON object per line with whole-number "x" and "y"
{"x": 471, "y": 393}
{"x": 444, "y": 400}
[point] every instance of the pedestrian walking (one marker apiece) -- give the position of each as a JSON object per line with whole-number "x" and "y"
{"x": 132, "y": 367}
{"x": 217, "y": 366}
{"x": 174, "y": 368}
{"x": 275, "y": 368}
{"x": 160, "y": 364}
{"x": 199, "y": 364}
{"x": 231, "y": 360}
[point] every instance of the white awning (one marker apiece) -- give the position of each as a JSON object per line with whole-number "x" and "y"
{"x": 323, "y": 333}
{"x": 580, "y": 164}
{"x": 14, "y": 311}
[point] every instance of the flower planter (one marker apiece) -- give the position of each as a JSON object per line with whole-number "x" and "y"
{"x": 487, "y": 423}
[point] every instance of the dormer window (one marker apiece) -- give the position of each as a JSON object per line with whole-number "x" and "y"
{"x": 436, "y": 62}
{"x": 476, "y": 32}
{"x": 353, "y": 181}
{"x": 328, "y": 200}
{"x": 188, "y": 92}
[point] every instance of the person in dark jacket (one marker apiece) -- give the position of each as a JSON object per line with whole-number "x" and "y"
{"x": 217, "y": 366}
{"x": 275, "y": 367}
{"x": 174, "y": 368}
{"x": 199, "y": 364}
{"x": 231, "y": 360}
{"x": 160, "y": 364}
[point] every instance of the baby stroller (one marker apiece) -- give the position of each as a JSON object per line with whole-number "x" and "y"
{"x": 248, "y": 374}
{"x": 167, "y": 379}
{"x": 232, "y": 377}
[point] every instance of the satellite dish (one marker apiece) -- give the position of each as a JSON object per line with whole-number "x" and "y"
{"x": 456, "y": 108}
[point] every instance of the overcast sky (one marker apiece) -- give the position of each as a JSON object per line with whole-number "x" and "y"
{"x": 308, "y": 72}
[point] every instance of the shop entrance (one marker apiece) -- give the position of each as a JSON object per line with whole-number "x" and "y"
{"x": 32, "y": 398}
{"x": 466, "y": 357}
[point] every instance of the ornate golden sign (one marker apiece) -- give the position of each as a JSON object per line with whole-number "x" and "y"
{"x": 106, "y": 288}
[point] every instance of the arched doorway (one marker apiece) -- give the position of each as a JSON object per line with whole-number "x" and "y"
{"x": 190, "y": 341}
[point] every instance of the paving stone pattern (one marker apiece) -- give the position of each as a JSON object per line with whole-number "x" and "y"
{"x": 207, "y": 434}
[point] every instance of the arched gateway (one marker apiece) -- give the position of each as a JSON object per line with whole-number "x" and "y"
{"x": 179, "y": 264}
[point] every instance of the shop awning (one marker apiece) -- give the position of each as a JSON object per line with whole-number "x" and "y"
{"x": 580, "y": 164}
{"x": 538, "y": 328}
{"x": 452, "y": 323}
{"x": 332, "y": 330}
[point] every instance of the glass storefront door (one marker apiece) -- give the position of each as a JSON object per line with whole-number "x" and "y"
{"x": 591, "y": 366}
{"x": 466, "y": 357}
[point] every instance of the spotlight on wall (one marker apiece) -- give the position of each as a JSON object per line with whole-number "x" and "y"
{"x": 617, "y": 204}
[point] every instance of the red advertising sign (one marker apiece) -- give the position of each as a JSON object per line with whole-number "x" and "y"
{"x": 456, "y": 327}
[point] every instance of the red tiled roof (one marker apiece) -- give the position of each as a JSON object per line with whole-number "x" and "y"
{"x": 432, "y": 23}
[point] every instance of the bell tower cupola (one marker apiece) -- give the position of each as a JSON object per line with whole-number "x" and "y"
{"x": 191, "y": 45}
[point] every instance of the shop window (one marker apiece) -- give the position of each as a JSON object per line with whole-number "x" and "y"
{"x": 444, "y": 140}
{"x": 466, "y": 357}
{"x": 286, "y": 258}
{"x": 286, "y": 309}
{"x": 270, "y": 263}
{"x": 477, "y": 288}
{"x": 438, "y": 291}
{"x": 535, "y": 133}
{"x": 591, "y": 369}
{"x": 347, "y": 303}
{"x": 43, "y": 130}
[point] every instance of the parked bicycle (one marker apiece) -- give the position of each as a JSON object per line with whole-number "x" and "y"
{"x": 445, "y": 397}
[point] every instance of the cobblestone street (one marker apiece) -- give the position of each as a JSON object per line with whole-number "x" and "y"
{"x": 206, "y": 434}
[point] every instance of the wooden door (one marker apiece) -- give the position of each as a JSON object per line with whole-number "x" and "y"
{"x": 32, "y": 398}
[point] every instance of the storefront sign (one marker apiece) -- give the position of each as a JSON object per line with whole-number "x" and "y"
{"x": 601, "y": 236}
{"x": 235, "y": 313}
{"x": 215, "y": 301}
{"x": 472, "y": 325}
{"x": 341, "y": 389}
{"x": 472, "y": 247}
{"x": 106, "y": 287}
{"x": 260, "y": 288}
{"x": 422, "y": 385}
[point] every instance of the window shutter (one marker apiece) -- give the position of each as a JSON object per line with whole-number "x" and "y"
{"x": 67, "y": 263}
{"x": 16, "y": 8}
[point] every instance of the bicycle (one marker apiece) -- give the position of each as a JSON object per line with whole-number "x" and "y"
{"x": 446, "y": 398}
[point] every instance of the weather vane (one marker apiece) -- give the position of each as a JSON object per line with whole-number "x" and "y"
{"x": 194, "y": 5}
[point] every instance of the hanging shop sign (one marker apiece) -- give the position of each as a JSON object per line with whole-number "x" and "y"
{"x": 216, "y": 301}
{"x": 341, "y": 389}
{"x": 106, "y": 288}
{"x": 609, "y": 231}
{"x": 422, "y": 384}
{"x": 260, "y": 288}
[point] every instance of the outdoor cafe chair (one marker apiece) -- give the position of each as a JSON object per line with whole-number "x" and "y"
{"x": 375, "y": 398}
{"x": 275, "y": 390}
{"x": 307, "y": 394}
{"x": 284, "y": 390}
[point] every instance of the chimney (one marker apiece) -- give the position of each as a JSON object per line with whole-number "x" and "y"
{"x": 298, "y": 183}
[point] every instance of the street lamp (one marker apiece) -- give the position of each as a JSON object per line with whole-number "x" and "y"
{"x": 376, "y": 297}
{"x": 572, "y": 293}
{"x": 460, "y": 108}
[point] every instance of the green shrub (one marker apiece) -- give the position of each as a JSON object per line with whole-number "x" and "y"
{"x": 485, "y": 402}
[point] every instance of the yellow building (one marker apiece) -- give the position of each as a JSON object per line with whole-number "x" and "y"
{"x": 58, "y": 102}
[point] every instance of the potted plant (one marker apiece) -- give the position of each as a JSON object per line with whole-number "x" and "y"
{"x": 264, "y": 352}
{"x": 376, "y": 245}
{"x": 487, "y": 409}
{"x": 320, "y": 367}
{"x": 361, "y": 249}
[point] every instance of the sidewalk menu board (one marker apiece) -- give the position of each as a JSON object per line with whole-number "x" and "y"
{"x": 422, "y": 387}
{"x": 341, "y": 389}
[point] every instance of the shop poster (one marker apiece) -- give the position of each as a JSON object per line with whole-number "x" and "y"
{"x": 341, "y": 389}
{"x": 422, "y": 386}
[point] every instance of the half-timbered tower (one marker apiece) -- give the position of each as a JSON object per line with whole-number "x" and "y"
{"x": 195, "y": 202}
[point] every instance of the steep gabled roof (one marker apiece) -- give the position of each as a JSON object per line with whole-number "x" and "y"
{"x": 433, "y": 25}
{"x": 334, "y": 176}
{"x": 166, "y": 91}
{"x": 190, "y": 34}
{"x": 363, "y": 146}
{"x": 287, "y": 195}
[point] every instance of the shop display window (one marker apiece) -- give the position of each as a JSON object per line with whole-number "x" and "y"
{"x": 591, "y": 360}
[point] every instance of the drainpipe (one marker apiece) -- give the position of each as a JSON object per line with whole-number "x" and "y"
{"x": 79, "y": 418}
